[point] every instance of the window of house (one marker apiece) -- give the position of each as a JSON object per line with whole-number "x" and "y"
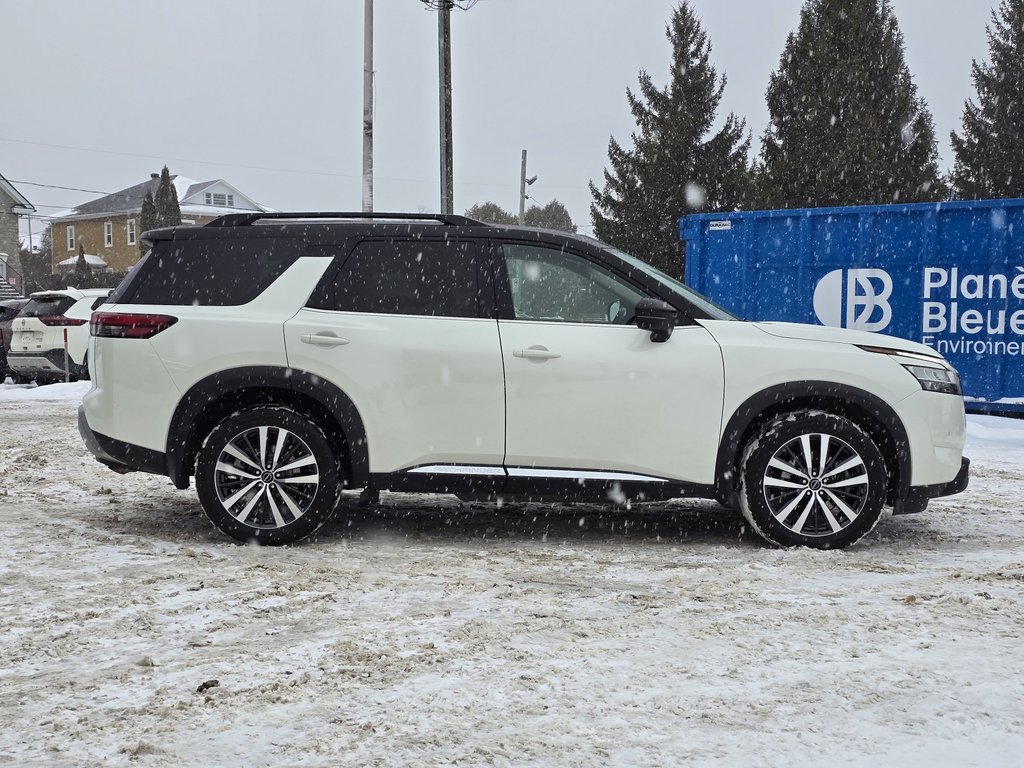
{"x": 208, "y": 199}
{"x": 130, "y": 231}
{"x": 218, "y": 198}
{"x": 71, "y": 237}
{"x": 108, "y": 234}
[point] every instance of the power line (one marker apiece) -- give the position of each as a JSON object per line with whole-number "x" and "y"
{"x": 56, "y": 186}
{"x": 254, "y": 168}
{"x": 185, "y": 160}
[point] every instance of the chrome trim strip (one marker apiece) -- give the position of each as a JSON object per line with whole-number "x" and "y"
{"x": 582, "y": 474}
{"x": 457, "y": 469}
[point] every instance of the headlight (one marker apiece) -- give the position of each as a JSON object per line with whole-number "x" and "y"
{"x": 936, "y": 379}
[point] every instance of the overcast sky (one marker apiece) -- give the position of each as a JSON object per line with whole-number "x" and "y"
{"x": 267, "y": 94}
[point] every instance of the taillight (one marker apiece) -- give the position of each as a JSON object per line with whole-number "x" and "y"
{"x": 120, "y": 325}
{"x": 60, "y": 320}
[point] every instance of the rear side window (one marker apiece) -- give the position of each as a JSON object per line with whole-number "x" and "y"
{"x": 217, "y": 273}
{"x": 405, "y": 277}
{"x": 47, "y": 306}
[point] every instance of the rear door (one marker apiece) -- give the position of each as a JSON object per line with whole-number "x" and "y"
{"x": 587, "y": 391}
{"x": 406, "y": 329}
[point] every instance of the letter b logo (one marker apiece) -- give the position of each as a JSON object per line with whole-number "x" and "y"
{"x": 865, "y": 293}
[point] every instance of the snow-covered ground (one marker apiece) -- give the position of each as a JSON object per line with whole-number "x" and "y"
{"x": 432, "y": 633}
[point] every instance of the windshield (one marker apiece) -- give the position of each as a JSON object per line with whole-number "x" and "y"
{"x": 703, "y": 303}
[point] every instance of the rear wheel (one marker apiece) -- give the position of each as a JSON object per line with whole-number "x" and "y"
{"x": 812, "y": 479}
{"x": 268, "y": 475}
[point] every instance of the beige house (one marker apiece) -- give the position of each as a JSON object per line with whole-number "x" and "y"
{"x": 108, "y": 227}
{"x": 13, "y": 206}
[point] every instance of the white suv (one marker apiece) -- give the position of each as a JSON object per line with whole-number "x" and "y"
{"x": 38, "y": 334}
{"x": 279, "y": 358}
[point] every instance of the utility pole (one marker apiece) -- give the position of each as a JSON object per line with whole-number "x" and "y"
{"x": 368, "y": 106}
{"x": 444, "y": 52}
{"x": 522, "y": 191}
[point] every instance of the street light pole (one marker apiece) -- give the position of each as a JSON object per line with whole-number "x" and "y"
{"x": 522, "y": 191}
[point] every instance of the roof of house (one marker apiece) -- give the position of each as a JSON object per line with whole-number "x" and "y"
{"x": 20, "y": 201}
{"x": 130, "y": 199}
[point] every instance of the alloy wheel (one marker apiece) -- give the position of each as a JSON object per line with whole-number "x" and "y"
{"x": 816, "y": 484}
{"x": 266, "y": 477}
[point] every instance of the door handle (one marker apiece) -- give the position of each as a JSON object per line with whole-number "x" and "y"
{"x": 536, "y": 352}
{"x": 323, "y": 340}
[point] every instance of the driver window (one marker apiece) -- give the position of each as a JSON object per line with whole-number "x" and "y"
{"x": 553, "y": 285}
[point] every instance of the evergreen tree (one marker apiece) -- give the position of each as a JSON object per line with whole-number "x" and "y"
{"x": 846, "y": 124}
{"x": 168, "y": 213}
{"x": 554, "y": 215}
{"x": 676, "y": 164}
{"x": 147, "y": 219}
{"x": 989, "y": 155}
{"x": 82, "y": 271}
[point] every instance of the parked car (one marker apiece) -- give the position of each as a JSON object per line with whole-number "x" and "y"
{"x": 37, "y": 343}
{"x": 279, "y": 358}
{"x": 8, "y": 309}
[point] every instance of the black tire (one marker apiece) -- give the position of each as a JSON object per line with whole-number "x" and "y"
{"x": 792, "y": 495}
{"x": 294, "y": 494}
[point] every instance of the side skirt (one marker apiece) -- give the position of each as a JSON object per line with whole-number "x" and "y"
{"x": 538, "y": 484}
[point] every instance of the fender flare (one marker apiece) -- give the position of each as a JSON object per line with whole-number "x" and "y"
{"x": 217, "y": 385}
{"x": 726, "y": 478}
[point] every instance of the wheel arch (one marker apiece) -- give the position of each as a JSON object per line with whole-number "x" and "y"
{"x": 217, "y": 396}
{"x": 868, "y": 411}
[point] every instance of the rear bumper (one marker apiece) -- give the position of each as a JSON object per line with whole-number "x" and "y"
{"x": 120, "y": 456}
{"x": 49, "y": 364}
{"x": 918, "y": 496}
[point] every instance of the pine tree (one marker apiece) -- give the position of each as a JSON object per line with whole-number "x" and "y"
{"x": 989, "y": 155}
{"x": 82, "y": 271}
{"x": 147, "y": 219}
{"x": 846, "y": 124}
{"x": 168, "y": 212}
{"x": 676, "y": 164}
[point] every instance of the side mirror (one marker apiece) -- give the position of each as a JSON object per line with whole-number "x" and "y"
{"x": 656, "y": 316}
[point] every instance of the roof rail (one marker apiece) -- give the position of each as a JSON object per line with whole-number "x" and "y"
{"x": 247, "y": 219}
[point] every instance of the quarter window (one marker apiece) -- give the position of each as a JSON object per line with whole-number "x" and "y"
{"x": 553, "y": 285}
{"x": 418, "y": 277}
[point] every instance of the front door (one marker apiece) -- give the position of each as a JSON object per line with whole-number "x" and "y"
{"x": 589, "y": 393}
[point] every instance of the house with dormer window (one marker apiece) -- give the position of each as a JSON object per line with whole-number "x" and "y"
{"x": 108, "y": 227}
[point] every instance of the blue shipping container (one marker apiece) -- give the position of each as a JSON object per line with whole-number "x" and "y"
{"x": 950, "y": 275}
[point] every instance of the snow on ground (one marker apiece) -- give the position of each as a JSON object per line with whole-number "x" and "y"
{"x": 430, "y": 632}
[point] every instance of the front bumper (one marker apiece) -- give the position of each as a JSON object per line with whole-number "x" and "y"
{"x": 918, "y": 496}
{"x": 120, "y": 456}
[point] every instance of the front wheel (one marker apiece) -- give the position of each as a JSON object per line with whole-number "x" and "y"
{"x": 812, "y": 479}
{"x": 268, "y": 475}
